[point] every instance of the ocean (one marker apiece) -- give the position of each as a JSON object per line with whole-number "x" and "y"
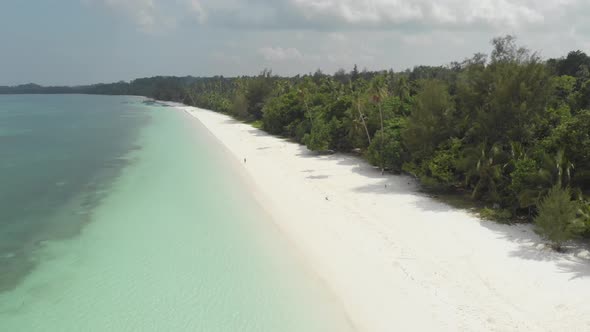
{"x": 120, "y": 214}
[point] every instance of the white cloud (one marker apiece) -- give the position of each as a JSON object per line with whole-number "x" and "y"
{"x": 279, "y": 53}
{"x": 330, "y": 34}
{"x": 150, "y": 16}
{"x": 338, "y": 37}
{"x": 428, "y": 12}
{"x": 334, "y": 15}
{"x": 225, "y": 59}
{"x": 143, "y": 12}
{"x": 354, "y": 11}
{"x": 197, "y": 9}
{"x": 417, "y": 39}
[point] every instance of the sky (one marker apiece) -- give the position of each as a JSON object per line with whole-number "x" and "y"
{"x": 71, "y": 42}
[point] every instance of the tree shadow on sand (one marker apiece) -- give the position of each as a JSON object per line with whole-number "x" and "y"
{"x": 390, "y": 184}
{"x": 260, "y": 133}
{"x": 231, "y": 121}
{"x": 429, "y": 204}
{"x": 531, "y": 247}
{"x": 317, "y": 177}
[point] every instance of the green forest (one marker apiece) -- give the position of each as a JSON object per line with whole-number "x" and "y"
{"x": 508, "y": 129}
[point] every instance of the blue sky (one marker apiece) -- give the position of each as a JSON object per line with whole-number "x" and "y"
{"x": 88, "y": 41}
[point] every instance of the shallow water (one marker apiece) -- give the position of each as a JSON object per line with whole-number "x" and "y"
{"x": 168, "y": 240}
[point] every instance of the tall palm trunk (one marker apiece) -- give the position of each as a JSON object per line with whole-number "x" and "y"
{"x": 307, "y": 110}
{"x": 358, "y": 107}
{"x": 362, "y": 116}
{"x": 190, "y": 95}
{"x": 382, "y": 137}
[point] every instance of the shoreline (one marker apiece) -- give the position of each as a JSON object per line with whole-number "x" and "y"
{"x": 248, "y": 182}
{"x": 397, "y": 259}
{"x": 177, "y": 243}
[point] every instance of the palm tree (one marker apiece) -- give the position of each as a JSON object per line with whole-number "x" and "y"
{"x": 188, "y": 94}
{"x": 379, "y": 92}
{"x": 562, "y": 168}
{"x": 303, "y": 95}
{"x": 357, "y": 99}
{"x": 483, "y": 167}
{"x": 554, "y": 171}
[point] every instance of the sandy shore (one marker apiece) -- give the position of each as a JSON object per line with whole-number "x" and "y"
{"x": 398, "y": 260}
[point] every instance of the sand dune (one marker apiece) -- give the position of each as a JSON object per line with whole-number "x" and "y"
{"x": 399, "y": 260}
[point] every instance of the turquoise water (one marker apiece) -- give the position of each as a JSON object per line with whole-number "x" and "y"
{"x": 123, "y": 216}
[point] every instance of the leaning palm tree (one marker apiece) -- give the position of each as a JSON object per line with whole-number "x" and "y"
{"x": 303, "y": 95}
{"x": 379, "y": 92}
{"x": 358, "y": 104}
{"x": 188, "y": 94}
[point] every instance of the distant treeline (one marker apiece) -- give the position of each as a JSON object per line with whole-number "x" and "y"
{"x": 510, "y": 129}
{"x": 169, "y": 88}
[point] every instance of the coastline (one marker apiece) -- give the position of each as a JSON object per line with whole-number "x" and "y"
{"x": 175, "y": 244}
{"x": 397, "y": 259}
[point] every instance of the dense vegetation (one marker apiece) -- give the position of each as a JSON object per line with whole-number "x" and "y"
{"x": 509, "y": 129}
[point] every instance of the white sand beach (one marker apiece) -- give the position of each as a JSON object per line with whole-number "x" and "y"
{"x": 399, "y": 260}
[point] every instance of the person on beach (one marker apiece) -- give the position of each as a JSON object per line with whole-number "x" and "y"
{"x": 244, "y": 160}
